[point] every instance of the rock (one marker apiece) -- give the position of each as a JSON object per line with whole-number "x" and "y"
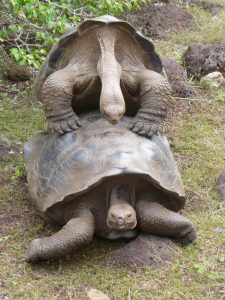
{"x": 221, "y": 185}
{"x": 203, "y": 59}
{"x": 16, "y": 72}
{"x": 160, "y": 18}
{"x": 97, "y": 295}
{"x": 177, "y": 76}
{"x": 214, "y": 79}
{"x": 145, "y": 250}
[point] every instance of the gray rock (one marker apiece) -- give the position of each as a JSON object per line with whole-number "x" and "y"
{"x": 97, "y": 295}
{"x": 16, "y": 72}
{"x": 214, "y": 79}
{"x": 203, "y": 59}
{"x": 177, "y": 77}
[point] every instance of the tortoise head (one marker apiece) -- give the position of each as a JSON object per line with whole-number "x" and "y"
{"x": 121, "y": 217}
{"x": 113, "y": 112}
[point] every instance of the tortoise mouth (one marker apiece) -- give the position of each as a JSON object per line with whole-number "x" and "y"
{"x": 123, "y": 226}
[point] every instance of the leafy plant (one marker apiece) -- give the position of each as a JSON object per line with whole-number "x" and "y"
{"x": 19, "y": 171}
{"x": 30, "y": 27}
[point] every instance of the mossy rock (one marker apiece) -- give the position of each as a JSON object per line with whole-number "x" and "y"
{"x": 16, "y": 72}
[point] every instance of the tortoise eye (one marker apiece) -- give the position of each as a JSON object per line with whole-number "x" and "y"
{"x": 129, "y": 215}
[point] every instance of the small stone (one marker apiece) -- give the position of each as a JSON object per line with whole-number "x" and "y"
{"x": 214, "y": 79}
{"x": 97, "y": 295}
{"x": 221, "y": 185}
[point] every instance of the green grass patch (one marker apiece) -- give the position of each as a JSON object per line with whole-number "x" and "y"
{"x": 206, "y": 29}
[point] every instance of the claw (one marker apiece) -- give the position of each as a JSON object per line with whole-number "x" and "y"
{"x": 138, "y": 127}
{"x": 144, "y": 128}
{"x": 150, "y": 133}
{"x": 65, "y": 127}
{"x": 78, "y": 122}
{"x": 57, "y": 128}
{"x": 131, "y": 126}
{"x": 50, "y": 127}
{"x": 143, "y": 133}
{"x": 135, "y": 129}
{"x": 60, "y": 131}
{"x": 72, "y": 124}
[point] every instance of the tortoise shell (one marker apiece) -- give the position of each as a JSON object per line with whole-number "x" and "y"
{"x": 79, "y": 46}
{"x": 59, "y": 166}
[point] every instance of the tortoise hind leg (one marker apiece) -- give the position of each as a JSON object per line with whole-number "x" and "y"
{"x": 76, "y": 233}
{"x": 156, "y": 219}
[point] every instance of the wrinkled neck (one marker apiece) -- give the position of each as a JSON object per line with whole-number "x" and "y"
{"x": 119, "y": 194}
{"x": 107, "y": 64}
{"x": 111, "y": 99}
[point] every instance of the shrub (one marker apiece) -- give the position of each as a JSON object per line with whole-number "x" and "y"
{"x": 29, "y": 27}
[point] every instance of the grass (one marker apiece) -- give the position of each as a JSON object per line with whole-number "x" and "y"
{"x": 197, "y": 135}
{"x": 206, "y": 29}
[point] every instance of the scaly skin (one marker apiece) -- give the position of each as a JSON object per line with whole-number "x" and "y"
{"x": 79, "y": 230}
{"x": 112, "y": 103}
{"x": 154, "y": 96}
{"x": 154, "y": 218}
{"x": 57, "y": 93}
{"x": 76, "y": 233}
{"x": 151, "y": 88}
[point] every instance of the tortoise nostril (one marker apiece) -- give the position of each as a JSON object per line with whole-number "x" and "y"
{"x": 114, "y": 122}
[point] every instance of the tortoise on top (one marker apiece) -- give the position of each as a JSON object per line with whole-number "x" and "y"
{"x": 103, "y": 58}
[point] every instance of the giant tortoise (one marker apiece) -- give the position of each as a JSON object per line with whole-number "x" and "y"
{"x": 107, "y": 59}
{"x": 103, "y": 179}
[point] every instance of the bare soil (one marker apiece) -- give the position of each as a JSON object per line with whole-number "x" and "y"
{"x": 160, "y": 19}
{"x": 145, "y": 250}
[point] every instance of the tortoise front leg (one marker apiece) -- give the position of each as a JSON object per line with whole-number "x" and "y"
{"x": 154, "y": 95}
{"x": 77, "y": 233}
{"x": 57, "y": 93}
{"x": 156, "y": 219}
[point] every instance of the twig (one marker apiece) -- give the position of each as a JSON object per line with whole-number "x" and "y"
{"x": 129, "y": 295}
{"x": 186, "y": 99}
{"x": 3, "y": 90}
{"x": 24, "y": 21}
{"x": 73, "y": 12}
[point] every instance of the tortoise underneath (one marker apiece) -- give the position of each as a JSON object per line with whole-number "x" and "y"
{"x": 103, "y": 179}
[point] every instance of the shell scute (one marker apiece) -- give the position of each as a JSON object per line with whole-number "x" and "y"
{"x": 76, "y": 162}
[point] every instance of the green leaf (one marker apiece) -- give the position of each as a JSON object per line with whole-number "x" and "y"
{"x": 13, "y": 51}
